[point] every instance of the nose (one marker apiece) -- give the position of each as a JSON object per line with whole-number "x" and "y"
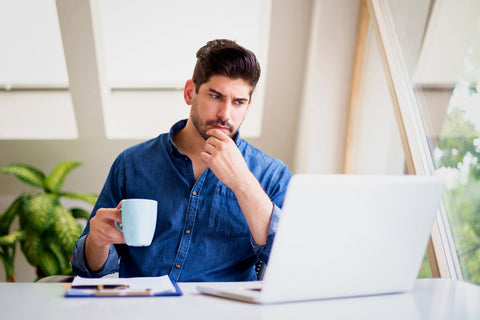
{"x": 224, "y": 110}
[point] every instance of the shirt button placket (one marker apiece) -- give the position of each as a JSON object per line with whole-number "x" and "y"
{"x": 188, "y": 230}
{"x": 186, "y": 238}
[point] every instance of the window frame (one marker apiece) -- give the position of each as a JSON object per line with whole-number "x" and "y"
{"x": 441, "y": 250}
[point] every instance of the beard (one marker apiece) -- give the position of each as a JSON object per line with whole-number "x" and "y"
{"x": 202, "y": 128}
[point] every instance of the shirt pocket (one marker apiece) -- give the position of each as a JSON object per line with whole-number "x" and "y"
{"x": 226, "y": 217}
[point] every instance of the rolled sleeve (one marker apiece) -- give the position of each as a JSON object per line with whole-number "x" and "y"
{"x": 263, "y": 252}
{"x": 79, "y": 263}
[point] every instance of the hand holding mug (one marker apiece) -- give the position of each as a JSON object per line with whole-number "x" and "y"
{"x": 139, "y": 218}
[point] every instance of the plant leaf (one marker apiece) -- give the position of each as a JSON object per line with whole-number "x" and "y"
{"x": 62, "y": 258}
{"x": 67, "y": 271}
{"x": 25, "y": 173}
{"x": 7, "y": 217}
{"x": 79, "y": 213}
{"x": 11, "y": 239}
{"x": 66, "y": 228}
{"x": 90, "y": 198}
{"x": 55, "y": 180}
{"x": 38, "y": 211}
{"x": 32, "y": 246}
{"x": 49, "y": 264}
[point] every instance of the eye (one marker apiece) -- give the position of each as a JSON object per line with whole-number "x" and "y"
{"x": 240, "y": 103}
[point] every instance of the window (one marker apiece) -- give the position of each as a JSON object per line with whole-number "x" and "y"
{"x": 150, "y": 47}
{"x": 127, "y": 62}
{"x": 377, "y": 147}
{"x": 447, "y": 87}
{"x": 431, "y": 62}
{"x": 33, "y": 78}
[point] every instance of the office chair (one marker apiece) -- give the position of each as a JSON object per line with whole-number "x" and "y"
{"x": 55, "y": 279}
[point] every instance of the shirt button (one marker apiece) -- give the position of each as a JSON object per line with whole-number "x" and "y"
{"x": 194, "y": 193}
{"x": 187, "y": 231}
{"x": 177, "y": 266}
{"x": 186, "y": 158}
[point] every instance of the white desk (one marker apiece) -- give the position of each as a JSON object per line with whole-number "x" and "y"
{"x": 431, "y": 299}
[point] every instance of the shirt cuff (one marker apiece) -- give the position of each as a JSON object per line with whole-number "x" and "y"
{"x": 79, "y": 263}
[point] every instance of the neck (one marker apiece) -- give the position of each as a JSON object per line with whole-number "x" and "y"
{"x": 191, "y": 143}
{"x": 188, "y": 140}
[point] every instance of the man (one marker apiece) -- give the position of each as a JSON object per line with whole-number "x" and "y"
{"x": 219, "y": 198}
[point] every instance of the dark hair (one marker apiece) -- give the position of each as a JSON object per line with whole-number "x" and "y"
{"x": 226, "y": 58}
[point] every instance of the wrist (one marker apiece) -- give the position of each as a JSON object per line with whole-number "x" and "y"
{"x": 95, "y": 255}
{"x": 89, "y": 242}
{"x": 245, "y": 183}
{"x": 248, "y": 187}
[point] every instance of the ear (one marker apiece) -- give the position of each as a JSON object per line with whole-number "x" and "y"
{"x": 188, "y": 91}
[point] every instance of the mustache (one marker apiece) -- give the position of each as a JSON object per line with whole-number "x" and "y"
{"x": 220, "y": 122}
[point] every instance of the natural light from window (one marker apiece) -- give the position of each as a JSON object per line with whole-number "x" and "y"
{"x": 34, "y": 100}
{"x": 146, "y": 51}
{"x": 150, "y": 47}
{"x": 447, "y": 86}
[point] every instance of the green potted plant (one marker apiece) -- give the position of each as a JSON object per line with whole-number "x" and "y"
{"x": 47, "y": 230}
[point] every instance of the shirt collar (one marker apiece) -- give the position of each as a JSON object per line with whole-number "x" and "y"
{"x": 174, "y": 129}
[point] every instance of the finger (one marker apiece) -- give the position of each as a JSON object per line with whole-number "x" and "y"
{"x": 209, "y": 148}
{"x": 106, "y": 218}
{"x": 103, "y": 231}
{"x": 214, "y": 140}
{"x": 114, "y": 235}
{"x": 205, "y": 156}
{"x": 118, "y": 213}
{"x": 118, "y": 217}
{"x": 219, "y": 134}
{"x": 219, "y": 145}
{"x": 108, "y": 213}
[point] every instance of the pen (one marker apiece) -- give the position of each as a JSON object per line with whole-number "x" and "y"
{"x": 112, "y": 293}
{"x": 100, "y": 286}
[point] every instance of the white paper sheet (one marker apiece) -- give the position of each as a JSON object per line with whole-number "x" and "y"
{"x": 156, "y": 285}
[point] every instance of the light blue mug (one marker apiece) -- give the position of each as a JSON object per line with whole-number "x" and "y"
{"x": 139, "y": 218}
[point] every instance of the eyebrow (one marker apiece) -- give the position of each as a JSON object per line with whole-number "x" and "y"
{"x": 216, "y": 92}
{"x": 222, "y": 95}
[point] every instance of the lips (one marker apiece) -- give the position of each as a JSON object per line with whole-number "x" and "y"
{"x": 221, "y": 128}
{"x": 220, "y": 125}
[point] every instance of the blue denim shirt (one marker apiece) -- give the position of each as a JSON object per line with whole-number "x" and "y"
{"x": 201, "y": 233}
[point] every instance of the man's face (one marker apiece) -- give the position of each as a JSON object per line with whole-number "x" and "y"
{"x": 221, "y": 103}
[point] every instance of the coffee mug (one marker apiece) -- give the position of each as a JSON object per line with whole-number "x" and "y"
{"x": 139, "y": 218}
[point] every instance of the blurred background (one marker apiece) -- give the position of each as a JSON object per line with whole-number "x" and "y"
{"x": 83, "y": 80}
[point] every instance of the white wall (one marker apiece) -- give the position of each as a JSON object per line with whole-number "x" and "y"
{"x": 322, "y": 128}
{"x": 292, "y": 33}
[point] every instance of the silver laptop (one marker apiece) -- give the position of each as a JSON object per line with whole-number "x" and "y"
{"x": 345, "y": 236}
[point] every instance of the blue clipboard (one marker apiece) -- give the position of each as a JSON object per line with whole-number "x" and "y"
{"x": 76, "y": 292}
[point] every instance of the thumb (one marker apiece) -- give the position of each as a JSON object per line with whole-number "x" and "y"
{"x": 118, "y": 213}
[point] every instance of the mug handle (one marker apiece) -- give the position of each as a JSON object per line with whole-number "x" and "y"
{"x": 119, "y": 227}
